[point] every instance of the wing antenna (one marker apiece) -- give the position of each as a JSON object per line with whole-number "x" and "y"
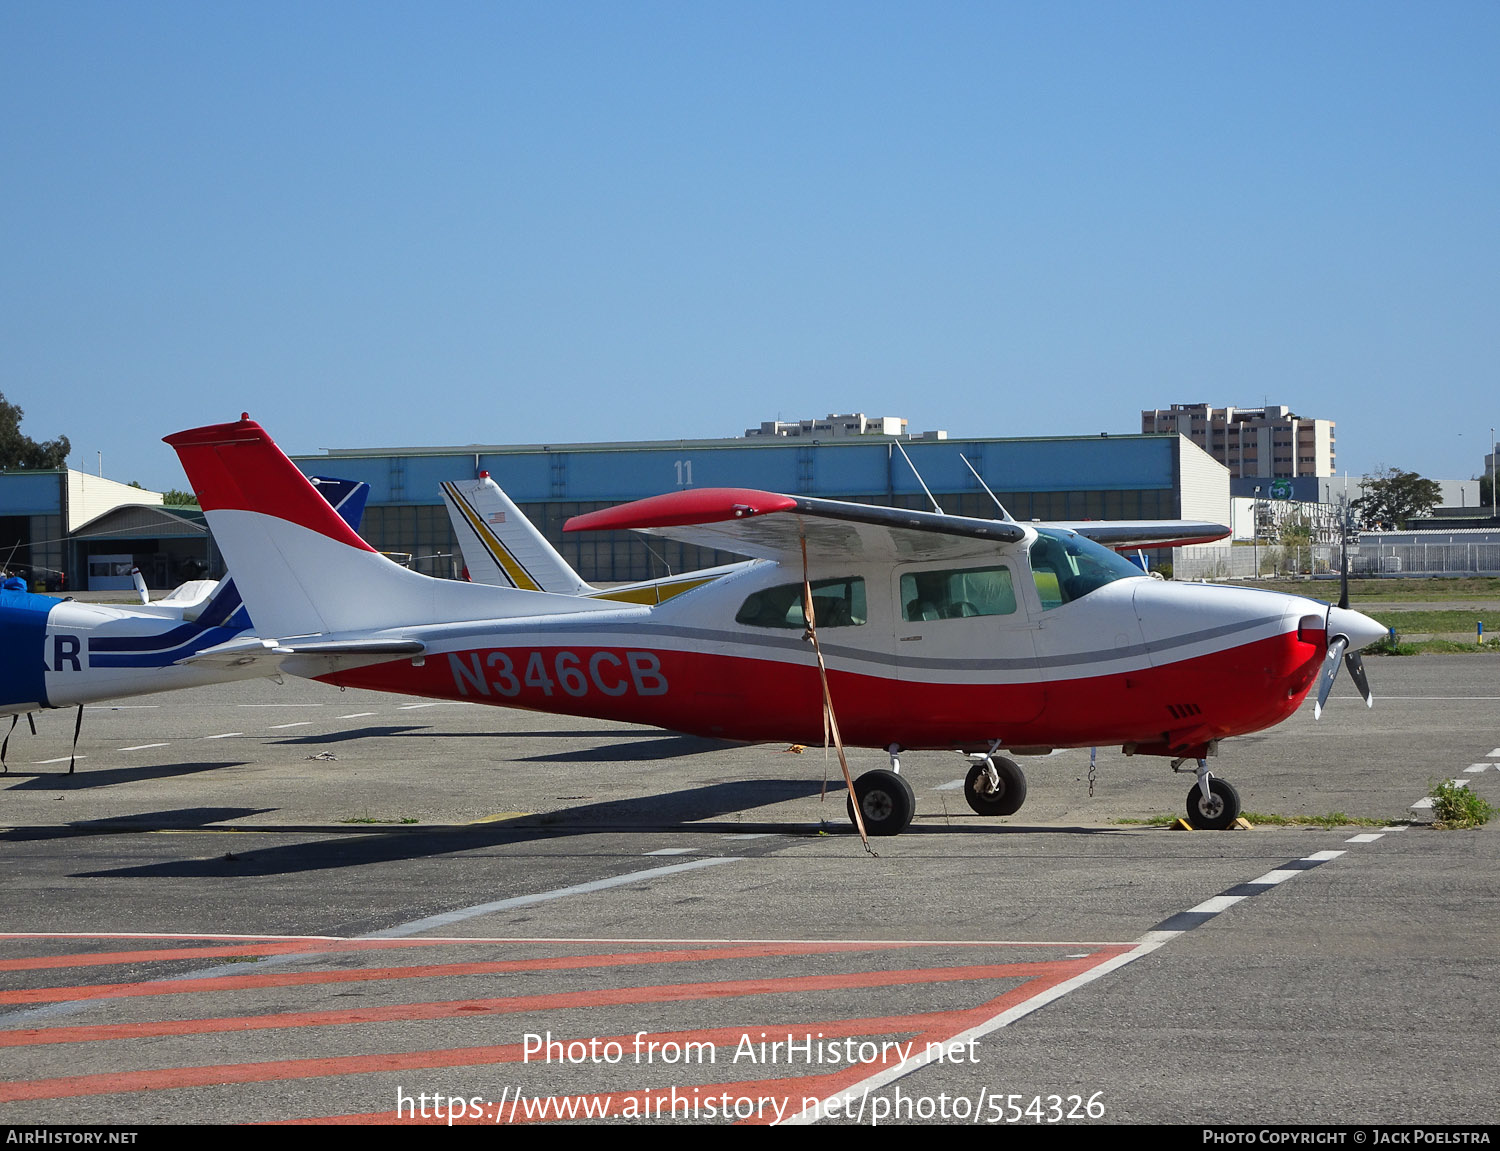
{"x": 918, "y": 474}
{"x": 1004, "y": 515}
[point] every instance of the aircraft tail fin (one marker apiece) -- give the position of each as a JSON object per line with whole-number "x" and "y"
{"x": 303, "y": 571}
{"x": 500, "y": 545}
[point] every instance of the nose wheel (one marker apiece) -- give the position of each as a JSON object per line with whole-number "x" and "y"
{"x": 1216, "y": 810}
{"x": 886, "y": 801}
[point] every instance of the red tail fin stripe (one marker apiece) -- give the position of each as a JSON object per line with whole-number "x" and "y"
{"x": 238, "y": 467}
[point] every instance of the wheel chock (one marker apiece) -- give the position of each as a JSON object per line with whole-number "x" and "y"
{"x": 1240, "y": 824}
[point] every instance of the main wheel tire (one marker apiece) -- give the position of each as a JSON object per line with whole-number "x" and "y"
{"x": 886, "y": 801}
{"x": 1005, "y": 798}
{"x": 1218, "y": 811}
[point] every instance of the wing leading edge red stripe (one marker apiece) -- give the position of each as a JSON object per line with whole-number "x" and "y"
{"x": 694, "y": 506}
{"x": 238, "y": 467}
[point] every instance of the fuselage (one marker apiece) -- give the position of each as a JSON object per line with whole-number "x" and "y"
{"x": 61, "y": 652}
{"x": 1019, "y": 648}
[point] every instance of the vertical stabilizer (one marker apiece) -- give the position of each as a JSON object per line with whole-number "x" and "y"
{"x": 302, "y": 570}
{"x": 500, "y": 545}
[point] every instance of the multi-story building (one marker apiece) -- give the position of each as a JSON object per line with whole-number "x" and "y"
{"x": 839, "y": 424}
{"x": 1268, "y": 443}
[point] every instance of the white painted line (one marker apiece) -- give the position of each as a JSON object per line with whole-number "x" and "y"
{"x": 355, "y": 715}
{"x": 141, "y": 746}
{"x": 437, "y": 703}
{"x": 951, "y": 785}
{"x": 1495, "y": 754}
{"x": 226, "y": 735}
{"x": 1218, "y": 903}
{"x": 1365, "y": 837}
{"x": 1425, "y": 801}
{"x": 752, "y": 835}
{"x": 431, "y": 921}
{"x": 59, "y": 759}
{"x": 302, "y": 723}
{"x": 1323, "y": 856}
{"x": 1478, "y": 767}
{"x": 1148, "y": 943}
{"x": 1395, "y": 827}
{"x": 673, "y": 851}
{"x": 1278, "y": 876}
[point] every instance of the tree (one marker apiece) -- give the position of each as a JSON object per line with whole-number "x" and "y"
{"x": 1392, "y": 497}
{"x": 18, "y": 451}
{"x": 177, "y": 498}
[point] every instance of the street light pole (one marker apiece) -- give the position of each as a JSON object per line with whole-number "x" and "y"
{"x": 1255, "y": 532}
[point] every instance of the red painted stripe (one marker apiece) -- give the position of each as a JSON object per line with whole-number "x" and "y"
{"x": 156, "y": 987}
{"x": 1043, "y": 976}
{"x": 693, "y": 506}
{"x": 941, "y": 1027}
{"x": 107, "y": 958}
{"x": 506, "y": 1005}
{"x": 238, "y": 467}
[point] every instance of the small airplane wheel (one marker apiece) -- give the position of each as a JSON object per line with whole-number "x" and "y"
{"x": 1005, "y": 798}
{"x": 886, "y": 801}
{"x": 1218, "y": 811}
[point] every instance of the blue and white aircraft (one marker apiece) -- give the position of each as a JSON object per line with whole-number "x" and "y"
{"x": 59, "y": 652}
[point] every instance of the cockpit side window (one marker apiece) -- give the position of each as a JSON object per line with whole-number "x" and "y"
{"x": 836, "y": 603}
{"x": 956, "y": 594}
{"x": 1067, "y": 566}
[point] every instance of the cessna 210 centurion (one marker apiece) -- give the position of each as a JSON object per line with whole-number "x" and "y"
{"x": 938, "y": 631}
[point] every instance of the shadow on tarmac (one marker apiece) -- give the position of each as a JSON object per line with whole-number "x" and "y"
{"x": 83, "y": 779}
{"x": 661, "y": 747}
{"x": 696, "y": 811}
{"x": 180, "y": 819}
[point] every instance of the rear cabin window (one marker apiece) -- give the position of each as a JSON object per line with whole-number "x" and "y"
{"x": 836, "y": 603}
{"x": 957, "y": 594}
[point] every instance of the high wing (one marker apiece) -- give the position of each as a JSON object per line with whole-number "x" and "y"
{"x": 756, "y": 523}
{"x": 1122, "y": 534}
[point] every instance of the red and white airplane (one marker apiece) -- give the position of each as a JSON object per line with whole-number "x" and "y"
{"x": 938, "y": 631}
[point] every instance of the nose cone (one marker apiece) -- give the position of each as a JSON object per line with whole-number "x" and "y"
{"x": 1360, "y": 628}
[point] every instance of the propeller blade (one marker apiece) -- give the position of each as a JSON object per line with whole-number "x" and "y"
{"x": 1330, "y": 672}
{"x": 1356, "y": 666}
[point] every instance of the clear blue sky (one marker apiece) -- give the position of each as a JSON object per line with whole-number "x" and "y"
{"x": 378, "y": 224}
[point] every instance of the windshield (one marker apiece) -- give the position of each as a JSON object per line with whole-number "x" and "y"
{"x": 1067, "y": 566}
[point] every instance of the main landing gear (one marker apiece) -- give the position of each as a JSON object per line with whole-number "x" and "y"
{"x": 1212, "y": 804}
{"x": 994, "y": 786}
{"x": 886, "y": 800}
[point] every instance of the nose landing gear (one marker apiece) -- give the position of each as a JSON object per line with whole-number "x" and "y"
{"x": 1212, "y": 804}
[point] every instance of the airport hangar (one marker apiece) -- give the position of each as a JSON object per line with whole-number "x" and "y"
{"x": 1147, "y": 476}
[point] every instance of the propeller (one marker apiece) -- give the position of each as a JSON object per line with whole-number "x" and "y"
{"x": 1342, "y": 623}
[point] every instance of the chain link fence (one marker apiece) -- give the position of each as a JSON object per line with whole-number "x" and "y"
{"x": 1368, "y": 559}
